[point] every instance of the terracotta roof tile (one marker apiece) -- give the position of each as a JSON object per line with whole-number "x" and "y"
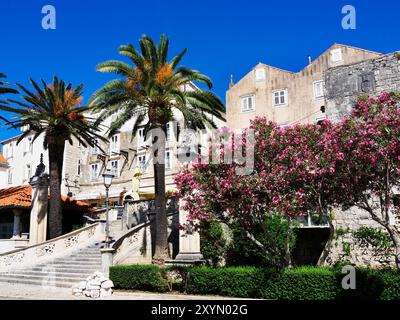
{"x": 21, "y": 197}
{"x": 2, "y": 160}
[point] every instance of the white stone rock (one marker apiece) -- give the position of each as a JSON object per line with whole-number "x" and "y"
{"x": 76, "y": 290}
{"x": 94, "y": 282}
{"x": 95, "y": 294}
{"x": 105, "y": 292}
{"x": 93, "y": 288}
{"x": 107, "y": 284}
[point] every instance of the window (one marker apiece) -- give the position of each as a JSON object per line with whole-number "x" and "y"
{"x": 140, "y": 137}
{"x": 8, "y": 151}
{"x": 115, "y": 168}
{"x": 94, "y": 174}
{"x": 169, "y": 131}
{"x": 114, "y": 147}
{"x": 336, "y": 55}
{"x": 168, "y": 160}
{"x": 95, "y": 148}
{"x": 27, "y": 172}
{"x": 248, "y": 103}
{"x": 141, "y": 163}
{"x": 10, "y": 176}
{"x": 260, "y": 74}
{"x": 28, "y": 145}
{"x": 79, "y": 168}
{"x": 279, "y": 97}
{"x": 318, "y": 89}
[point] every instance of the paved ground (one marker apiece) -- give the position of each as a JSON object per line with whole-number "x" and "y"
{"x": 26, "y": 292}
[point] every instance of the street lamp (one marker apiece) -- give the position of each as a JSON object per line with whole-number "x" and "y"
{"x": 108, "y": 177}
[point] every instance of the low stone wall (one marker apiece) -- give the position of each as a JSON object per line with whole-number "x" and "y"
{"x": 137, "y": 212}
{"x": 136, "y": 245}
{"x": 51, "y": 249}
{"x": 345, "y": 246}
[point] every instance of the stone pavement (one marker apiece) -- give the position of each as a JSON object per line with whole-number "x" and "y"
{"x": 27, "y": 292}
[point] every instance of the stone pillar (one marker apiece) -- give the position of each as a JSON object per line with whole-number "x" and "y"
{"x": 189, "y": 244}
{"x": 40, "y": 198}
{"x": 106, "y": 260}
{"x": 17, "y": 223}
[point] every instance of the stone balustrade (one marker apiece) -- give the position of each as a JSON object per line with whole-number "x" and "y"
{"x": 51, "y": 249}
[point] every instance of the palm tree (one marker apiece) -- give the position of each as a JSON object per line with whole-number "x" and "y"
{"x": 5, "y": 89}
{"x": 56, "y": 112}
{"x": 147, "y": 91}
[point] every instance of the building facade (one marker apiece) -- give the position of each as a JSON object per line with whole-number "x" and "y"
{"x": 287, "y": 97}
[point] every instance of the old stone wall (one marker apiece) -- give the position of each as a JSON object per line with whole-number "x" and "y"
{"x": 347, "y": 248}
{"x": 344, "y": 84}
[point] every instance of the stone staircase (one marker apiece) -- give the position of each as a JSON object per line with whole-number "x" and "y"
{"x": 116, "y": 230}
{"x": 64, "y": 271}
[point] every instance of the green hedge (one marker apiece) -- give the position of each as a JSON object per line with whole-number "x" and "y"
{"x": 138, "y": 277}
{"x": 304, "y": 283}
{"x": 231, "y": 281}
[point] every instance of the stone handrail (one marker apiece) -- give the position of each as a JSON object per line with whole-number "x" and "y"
{"x": 51, "y": 249}
{"x": 131, "y": 244}
{"x": 135, "y": 245}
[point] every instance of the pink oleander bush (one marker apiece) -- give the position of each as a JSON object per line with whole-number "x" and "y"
{"x": 301, "y": 169}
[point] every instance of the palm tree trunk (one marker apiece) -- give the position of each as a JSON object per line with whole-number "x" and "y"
{"x": 56, "y": 159}
{"x": 161, "y": 235}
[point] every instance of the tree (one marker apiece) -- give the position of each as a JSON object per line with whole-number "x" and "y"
{"x": 290, "y": 178}
{"x": 54, "y": 111}
{"x": 370, "y": 173}
{"x": 307, "y": 169}
{"x": 5, "y": 89}
{"x": 150, "y": 89}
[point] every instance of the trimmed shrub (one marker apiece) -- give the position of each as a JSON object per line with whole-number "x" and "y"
{"x": 245, "y": 282}
{"x": 305, "y": 283}
{"x": 138, "y": 277}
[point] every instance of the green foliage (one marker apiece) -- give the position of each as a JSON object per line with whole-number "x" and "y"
{"x": 303, "y": 283}
{"x": 243, "y": 251}
{"x": 243, "y": 282}
{"x": 138, "y": 277}
{"x": 212, "y": 241}
{"x": 377, "y": 238}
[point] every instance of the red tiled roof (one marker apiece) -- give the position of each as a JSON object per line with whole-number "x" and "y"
{"x": 21, "y": 197}
{"x": 2, "y": 160}
{"x": 16, "y": 197}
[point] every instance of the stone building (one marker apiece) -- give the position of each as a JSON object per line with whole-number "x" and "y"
{"x": 125, "y": 155}
{"x": 343, "y": 85}
{"x": 287, "y": 97}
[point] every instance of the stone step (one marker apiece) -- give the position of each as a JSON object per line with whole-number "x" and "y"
{"x": 63, "y": 265}
{"x": 44, "y": 278}
{"x": 66, "y": 269}
{"x": 56, "y": 283}
{"x": 54, "y": 274}
{"x": 78, "y": 258}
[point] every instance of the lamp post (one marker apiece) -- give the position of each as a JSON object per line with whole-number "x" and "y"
{"x": 108, "y": 176}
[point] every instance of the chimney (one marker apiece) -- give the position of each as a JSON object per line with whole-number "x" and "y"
{"x": 309, "y": 59}
{"x": 231, "y": 84}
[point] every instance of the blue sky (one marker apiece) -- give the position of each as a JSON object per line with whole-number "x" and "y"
{"x": 223, "y": 37}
